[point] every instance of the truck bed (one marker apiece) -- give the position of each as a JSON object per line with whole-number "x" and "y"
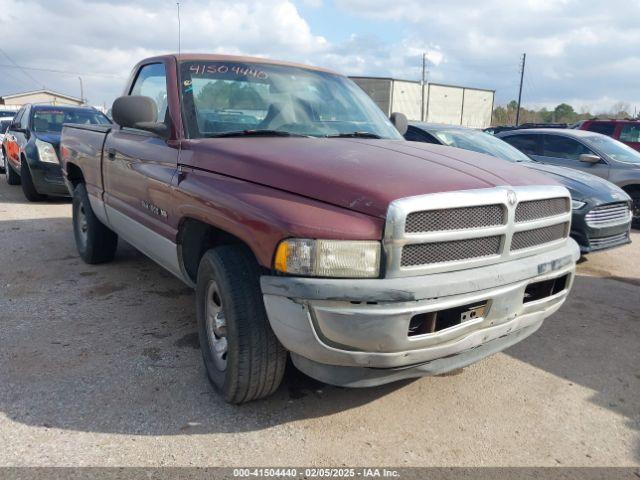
{"x": 83, "y": 145}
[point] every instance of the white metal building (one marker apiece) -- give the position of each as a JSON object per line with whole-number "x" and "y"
{"x": 50, "y": 97}
{"x": 450, "y": 104}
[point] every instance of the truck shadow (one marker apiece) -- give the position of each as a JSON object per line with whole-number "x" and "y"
{"x": 12, "y": 194}
{"x": 117, "y": 351}
{"x": 594, "y": 342}
{"x": 113, "y": 349}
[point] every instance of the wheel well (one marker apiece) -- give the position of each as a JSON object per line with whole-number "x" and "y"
{"x": 631, "y": 188}
{"x": 74, "y": 174}
{"x": 195, "y": 238}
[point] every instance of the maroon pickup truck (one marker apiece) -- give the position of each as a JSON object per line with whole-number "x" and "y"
{"x": 309, "y": 227}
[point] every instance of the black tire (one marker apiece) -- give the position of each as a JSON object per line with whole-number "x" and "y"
{"x": 254, "y": 360}
{"x": 635, "y": 207}
{"x": 12, "y": 177}
{"x": 28, "y": 188}
{"x": 95, "y": 242}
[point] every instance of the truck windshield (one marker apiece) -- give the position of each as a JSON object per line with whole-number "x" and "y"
{"x": 480, "y": 142}
{"x": 51, "y": 119}
{"x": 226, "y": 97}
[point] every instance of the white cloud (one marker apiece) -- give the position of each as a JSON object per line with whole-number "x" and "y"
{"x": 582, "y": 50}
{"x": 585, "y": 50}
{"x": 103, "y": 40}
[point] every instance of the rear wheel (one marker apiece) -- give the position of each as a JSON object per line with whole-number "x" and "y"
{"x": 12, "y": 177}
{"x": 28, "y": 188}
{"x": 243, "y": 358}
{"x": 95, "y": 242}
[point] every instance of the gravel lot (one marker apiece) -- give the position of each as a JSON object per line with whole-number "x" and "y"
{"x": 99, "y": 365}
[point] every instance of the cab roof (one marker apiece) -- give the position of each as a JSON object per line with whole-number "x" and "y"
{"x": 211, "y": 57}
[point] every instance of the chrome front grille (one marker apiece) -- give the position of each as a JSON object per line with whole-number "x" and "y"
{"x": 610, "y": 241}
{"x": 455, "y": 218}
{"x": 537, "y": 209}
{"x": 609, "y": 215}
{"x": 538, "y": 236}
{"x": 457, "y": 230}
{"x": 450, "y": 251}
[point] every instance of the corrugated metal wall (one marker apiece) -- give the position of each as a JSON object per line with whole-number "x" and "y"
{"x": 447, "y": 104}
{"x": 406, "y": 98}
{"x": 379, "y": 89}
{"x": 444, "y": 104}
{"x": 478, "y": 107}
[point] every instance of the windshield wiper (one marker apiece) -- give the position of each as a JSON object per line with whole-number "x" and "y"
{"x": 254, "y": 133}
{"x": 354, "y": 135}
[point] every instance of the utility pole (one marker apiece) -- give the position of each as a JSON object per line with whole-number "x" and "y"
{"x": 81, "y": 90}
{"x": 179, "y": 28}
{"x": 422, "y": 83}
{"x": 524, "y": 58}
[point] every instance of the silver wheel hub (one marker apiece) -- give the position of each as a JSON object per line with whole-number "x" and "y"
{"x": 83, "y": 226}
{"x": 216, "y": 326}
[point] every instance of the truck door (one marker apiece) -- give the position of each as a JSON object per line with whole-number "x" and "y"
{"x": 138, "y": 167}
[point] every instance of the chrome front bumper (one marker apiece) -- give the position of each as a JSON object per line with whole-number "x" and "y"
{"x": 355, "y": 332}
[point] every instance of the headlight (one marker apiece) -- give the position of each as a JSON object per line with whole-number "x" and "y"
{"x": 328, "y": 258}
{"x": 576, "y": 205}
{"x": 46, "y": 152}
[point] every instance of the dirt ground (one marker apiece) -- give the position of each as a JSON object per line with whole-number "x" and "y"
{"x": 99, "y": 365}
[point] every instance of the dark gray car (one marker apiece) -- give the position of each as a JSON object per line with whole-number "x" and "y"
{"x": 587, "y": 151}
{"x": 600, "y": 218}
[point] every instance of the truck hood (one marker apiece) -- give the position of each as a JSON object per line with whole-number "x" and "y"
{"x": 583, "y": 186}
{"x": 358, "y": 174}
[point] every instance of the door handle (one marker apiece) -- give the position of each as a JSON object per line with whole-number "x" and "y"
{"x": 111, "y": 153}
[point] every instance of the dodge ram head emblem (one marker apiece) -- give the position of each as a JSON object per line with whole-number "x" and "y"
{"x": 511, "y": 197}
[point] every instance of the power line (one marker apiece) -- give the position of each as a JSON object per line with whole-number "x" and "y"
{"x": 63, "y": 72}
{"x": 21, "y": 68}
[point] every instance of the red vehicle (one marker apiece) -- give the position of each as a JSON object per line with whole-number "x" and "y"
{"x": 625, "y": 131}
{"x": 309, "y": 227}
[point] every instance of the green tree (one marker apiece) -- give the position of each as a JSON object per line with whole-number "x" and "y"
{"x": 564, "y": 113}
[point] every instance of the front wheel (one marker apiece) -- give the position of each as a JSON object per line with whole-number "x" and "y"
{"x": 28, "y": 188}
{"x": 95, "y": 242}
{"x": 11, "y": 176}
{"x": 243, "y": 358}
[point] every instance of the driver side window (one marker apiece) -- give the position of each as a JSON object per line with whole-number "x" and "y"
{"x": 562, "y": 147}
{"x": 18, "y": 117}
{"x": 152, "y": 82}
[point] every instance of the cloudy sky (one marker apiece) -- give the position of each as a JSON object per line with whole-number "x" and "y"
{"x": 584, "y": 52}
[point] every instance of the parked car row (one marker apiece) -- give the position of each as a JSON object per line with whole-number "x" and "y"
{"x": 601, "y": 210}
{"x": 586, "y": 151}
{"x": 31, "y": 147}
{"x": 614, "y": 158}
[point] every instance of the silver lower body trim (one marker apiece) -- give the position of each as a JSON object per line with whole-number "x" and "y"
{"x": 162, "y": 251}
{"x": 97, "y": 206}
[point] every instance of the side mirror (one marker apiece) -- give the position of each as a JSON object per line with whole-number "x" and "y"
{"x": 137, "y": 111}
{"x": 15, "y": 127}
{"x": 589, "y": 158}
{"x": 399, "y": 121}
